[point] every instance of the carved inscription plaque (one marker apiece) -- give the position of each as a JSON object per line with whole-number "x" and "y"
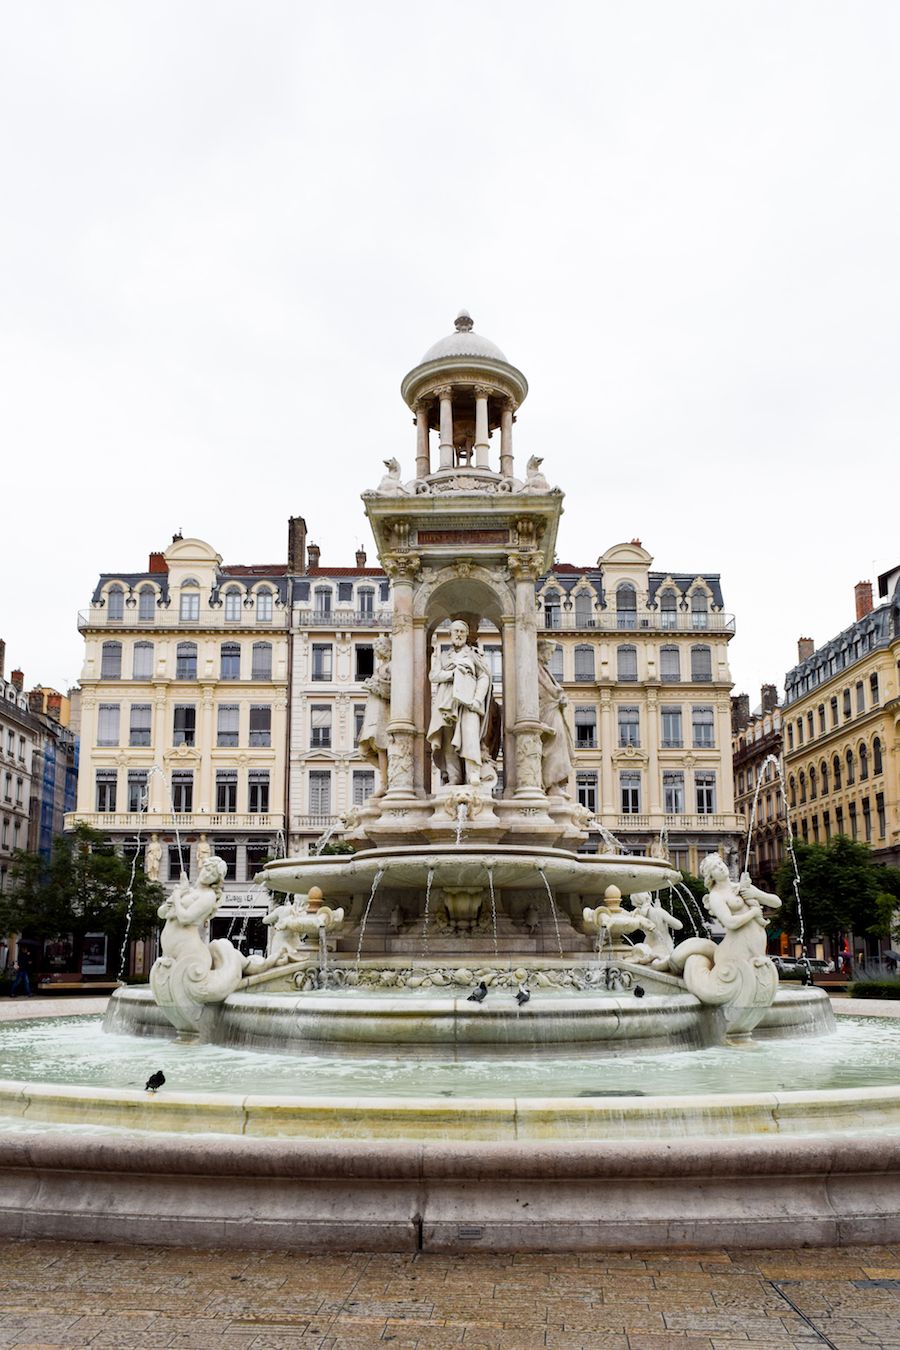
{"x": 463, "y": 537}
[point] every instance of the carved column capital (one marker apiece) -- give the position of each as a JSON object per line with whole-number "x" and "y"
{"x": 525, "y": 566}
{"x": 403, "y": 568}
{"x": 482, "y": 391}
{"x": 444, "y": 391}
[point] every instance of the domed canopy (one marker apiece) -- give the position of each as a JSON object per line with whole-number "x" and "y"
{"x": 464, "y": 342}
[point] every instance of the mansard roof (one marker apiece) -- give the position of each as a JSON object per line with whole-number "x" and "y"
{"x": 875, "y": 629}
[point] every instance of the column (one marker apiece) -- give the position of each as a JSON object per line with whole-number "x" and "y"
{"x": 509, "y": 706}
{"x": 402, "y": 727}
{"x": 204, "y": 790}
{"x": 609, "y": 804}
{"x": 654, "y": 786}
{"x": 445, "y": 394}
{"x": 423, "y": 447}
{"x": 482, "y": 448}
{"x": 506, "y": 450}
{"x": 525, "y": 568}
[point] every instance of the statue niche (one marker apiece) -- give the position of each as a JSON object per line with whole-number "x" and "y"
{"x": 463, "y": 718}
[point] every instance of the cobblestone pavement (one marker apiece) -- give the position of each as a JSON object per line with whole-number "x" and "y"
{"x": 64, "y": 1296}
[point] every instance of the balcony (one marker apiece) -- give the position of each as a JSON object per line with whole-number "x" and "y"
{"x": 344, "y": 618}
{"x": 167, "y": 620}
{"x": 318, "y": 824}
{"x": 660, "y": 622}
{"x": 148, "y": 822}
{"x": 676, "y": 824}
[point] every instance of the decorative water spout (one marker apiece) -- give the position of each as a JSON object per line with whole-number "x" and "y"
{"x": 610, "y": 921}
{"x": 658, "y": 925}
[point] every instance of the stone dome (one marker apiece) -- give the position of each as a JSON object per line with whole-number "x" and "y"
{"x": 464, "y": 342}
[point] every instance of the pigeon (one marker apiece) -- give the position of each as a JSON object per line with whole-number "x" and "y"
{"x": 155, "y": 1081}
{"x": 478, "y": 995}
{"x": 639, "y": 991}
{"x": 522, "y": 996}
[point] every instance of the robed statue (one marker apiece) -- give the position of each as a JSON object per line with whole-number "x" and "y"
{"x": 461, "y": 698}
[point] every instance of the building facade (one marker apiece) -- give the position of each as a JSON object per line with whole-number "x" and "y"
{"x": 756, "y": 748}
{"x": 19, "y": 738}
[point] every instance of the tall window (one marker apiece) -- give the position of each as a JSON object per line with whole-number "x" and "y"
{"x": 183, "y": 791}
{"x": 834, "y": 711}
{"x": 111, "y": 661}
{"x": 264, "y": 606}
{"x": 226, "y": 791}
{"x": 142, "y": 661}
{"x": 494, "y": 657}
{"x": 139, "y": 725}
{"x": 836, "y": 772}
{"x": 584, "y": 663}
{"x": 629, "y": 721}
{"x": 146, "y": 604}
{"x": 319, "y": 792}
{"x": 626, "y": 606}
{"x": 261, "y": 668}
{"x": 673, "y": 793}
{"x": 105, "y": 783}
{"x": 365, "y": 660}
{"x": 703, "y": 730}
{"x": 630, "y": 788}
{"x": 189, "y": 602}
{"x": 847, "y": 707}
{"x": 115, "y": 604}
{"x": 321, "y": 661}
{"x": 108, "y": 724}
{"x": 705, "y": 783}
{"x": 854, "y": 830}
{"x": 879, "y": 808}
{"x": 359, "y": 716}
{"x": 839, "y": 819}
{"x": 137, "y": 790}
{"x": 186, "y": 661}
{"x": 230, "y": 661}
{"x": 626, "y": 664}
{"x": 699, "y": 610}
{"x": 184, "y": 724}
{"x": 261, "y": 724}
{"x": 822, "y": 726}
{"x": 867, "y": 819}
{"x": 873, "y": 689}
{"x": 551, "y": 609}
{"x": 863, "y": 763}
{"x": 823, "y": 777}
{"x": 366, "y": 599}
{"x": 320, "y": 726}
{"x": 586, "y": 790}
{"x": 671, "y": 728}
{"x": 851, "y": 771}
{"x": 813, "y": 783}
{"x": 363, "y": 786}
{"x": 232, "y": 605}
{"x": 556, "y": 663}
{"x": 668, "y": 608}
{"x": 322, "y": 599}
{"x": 802, "y": 780}
{"x": 586, "y": 728}
{"x": 701, "y": 664}
{"x": 670, "y": 665}
{"x": 228, "y": 724}
{"x": 876, "y": 756}
{"x": 584, "y": 610}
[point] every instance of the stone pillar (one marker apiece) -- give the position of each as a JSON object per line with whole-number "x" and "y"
{"x": 608, "y": 803}
{"x": 422, "y": 757}
{"x": 482, "y": 448}
{"x": 445, "y": 394}
{"x": 509, "y": 706}
{"x": 423, "y": 446}
{"x": 525, "y": 568}
{"x": 654, "y": 787}
{"x": 506, "y": 450}
{"x": 402, "y": 727}
{"x": 204, "y": 799}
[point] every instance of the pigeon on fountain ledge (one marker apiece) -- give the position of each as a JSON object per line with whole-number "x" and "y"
{"x": 522, "y": 996}
{"x": 155, "y": 1081}
{"x": 478, "y": 995}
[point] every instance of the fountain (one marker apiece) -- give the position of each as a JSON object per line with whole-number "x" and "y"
{"x": 466, "y": 876}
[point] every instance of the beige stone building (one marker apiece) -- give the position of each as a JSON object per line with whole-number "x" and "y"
{"x": 756, "y": 747}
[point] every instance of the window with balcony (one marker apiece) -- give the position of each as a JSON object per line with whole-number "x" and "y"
{"x": 366, "y": 600}
{"x": 264, "y": 605}
{"x": 108, "y": 724}
{"x": 630, "y": 790}
{"x": 586, "y": 728}
{"x": 186, "y": 661}
{"x": 146, "y": 604}
{"x": 189, "y": 602}
{"x": 626, "y": 664}
{"x": 260, "y": 724}
{"x": 111, "y": 661}
{"x": 551, "y": 609}
{"x": 671, "y": 728}
{"x": 700, "y": 610}
{"x": 705, "y": 784}
{"x": 363, "y": 786}
{"x": 184, "y": 724}
{"x": 232, "y": 605}
{"x": 626, "y": 605}
{"x": 137, "y": 790}
{"x": 105, "y": 789}
{"x": 670, "y": 665}
{"x": 320, "y": 726}
{"x": 668, "y": 608}
{"x": 261, "y": 669}
{"x": 365, "y": 660}
{"x": 139, "y": 724}
{"x": 673, "y": 793}
{"x": 319, "y": 792}
{"x": 230, "y": 661}
{"x": 703, "y": 728}
{"x": 556, "y": 663}
{"x": 584, "y": 610}
{"x": 701, "y": 664}
{"x": 115, "y": 610}
{"x": 321, "y": 661}
{"x": 584, "y": 663}
{"x": 629, "y": 725}
{"x": 183, "y": 791}
{"x": 322, "y": 600}
{"x": 586, "y": 790}
{"x": 142, "y": 661}
{"x": 226, "y": 791}
{"x": 228, "y": 724}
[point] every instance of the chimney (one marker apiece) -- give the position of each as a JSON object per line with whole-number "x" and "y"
{"x": 863, "y": 592}
{"x": 637, "y": 542}
{"x": 768, "y": 696}
{"x": 296, "y": 545}
{"x": 157, "y": 563}
{"x": 54, "y": 706}
{"x": 740, "y": 712}
{"x": 313, "y": 552}
{"x": 2, "y": 658}
{"x": 360, "y": 557}
{"x": 36, "y": 701}
{"x": 805, "y": 648}
{"x": 18, "y": 680}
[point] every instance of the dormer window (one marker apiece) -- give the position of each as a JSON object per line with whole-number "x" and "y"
{"x": 322, "y": 599}
{"x": 584, "y": 610}
{"x": 264, "y": 606}
{"x": 189, "y": 604}
{"x": 146, "y": 604}
{"x": 551, "y": 609}
{"x": 668, "y": 608}
{"x": 232, "y": 605}
{"x": 116, "y": 604}
{"x": 626, "y": 606}
{"x": 700, "y": 609}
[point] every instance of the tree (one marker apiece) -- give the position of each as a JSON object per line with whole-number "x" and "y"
{"x": 82, "y": 889}
{"x": 840, "y": 890}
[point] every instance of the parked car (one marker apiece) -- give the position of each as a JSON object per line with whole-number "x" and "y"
{"x": 793, "y": 967}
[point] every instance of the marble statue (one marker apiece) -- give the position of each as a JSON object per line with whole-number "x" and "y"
{"x": 390, "y": 485}
{"x": 203, "y": 851}
{"x": 153, "y": 858}
{"x": 535, "y": 480}
{"x": 658, "y": 946}
{"x": 558, "y": 746}
{"x": 461, "y": 696}
{"x": 291, "y": 923}
{"x": 373, "y": 738}
{"x": 610, "y": 921}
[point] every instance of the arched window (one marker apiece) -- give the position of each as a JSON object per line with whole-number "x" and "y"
{"x": 626, "y": 605}
{"x": 626, "y": 663}
{"x": 584, "y": 610}
{"x": 670, "y": 665}
{"x": 700, "y": 609}
{"x": 792, "y": 789}
{"x": 556, "y": 662}
{"x": 668, "y": 608}
{"x": 261, "y": 668}
{"x": 146, "y": 604}
{"x": 802, "y": 779}
{"x": 836, "y": 773}
{"x": 142, "y": 661}
{"x": 264, "y": 605}
{"x": 111, "y": 661}
{"x": 876, "y": 756}
{"x": 701, "y": 664}
{"x": 189, "y": 601}
{"x": 115, "y": 610}
{"x": 823, "y": 775}
{"x": 230, "y": 661}
{"x": 813, "y": 783}
{"x": 551, "y": 609}
{"x": 186, "y": 661}
{"x": 863, "y": 762}
{"x": 851, "y": 776}
{"x": 232, "y": 605}
{"x": 584, "y": 663}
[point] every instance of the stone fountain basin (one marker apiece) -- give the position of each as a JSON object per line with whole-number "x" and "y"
{"x": 511, "y": 867}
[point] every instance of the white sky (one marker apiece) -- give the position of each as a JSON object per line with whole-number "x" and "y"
{"x": 228, "y": 230}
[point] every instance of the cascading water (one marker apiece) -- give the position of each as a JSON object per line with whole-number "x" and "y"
{"x": 553, "y": 910}
{"x": 789, "y": 838}
{"x": 689, "y": 901}
{"x": 490, "y": 872}
{"x": 324, "y": 838}
{"x": 376, "y": 881}
{"x": 687, "y": 909}
{"x": 462, "y": 812}
{"x": 323, "y": 959}
{"x": 428, "y": 880}
{"x": 129, "y": 892}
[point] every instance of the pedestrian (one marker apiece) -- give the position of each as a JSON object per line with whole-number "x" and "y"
{"x": 20, "y": 977}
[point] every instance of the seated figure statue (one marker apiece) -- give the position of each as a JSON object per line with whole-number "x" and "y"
{"x": 658, "y": 946}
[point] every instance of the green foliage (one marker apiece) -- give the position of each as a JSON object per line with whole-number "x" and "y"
{"x": 884, "y": 987}
{"x": 337, "y": 846}
{"x": 841, "y": 889}
{"x": 82, "y": 889}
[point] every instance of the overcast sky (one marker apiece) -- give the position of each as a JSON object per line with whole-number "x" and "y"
{"x": 228, "y": 230}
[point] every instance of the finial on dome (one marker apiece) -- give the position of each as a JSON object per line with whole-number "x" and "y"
{"x": 464, "y": 322}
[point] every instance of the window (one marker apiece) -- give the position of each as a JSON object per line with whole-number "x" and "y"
{"x": 359, "y": 716}
{"x": 365, "y": 660}
{"x": 261, "y": 668}
{"x": 586, "y": 790}
{"x": 321, "y": 661}
{"x": 701, "y": 664}
{"x": 116, "y": 604}
{"x": 139, "y": 725}
{"x": 703, "y": 730}
{"x": 854, "y": 829}
{"x": 183, "y": 791}
{"x": 668, "y": 608}
{"x": 670, "y": 665}
{"x": 815, "y": 829}
{"x": 322, "y": 599}
{"x": 10, "y": 743}
{"x": 799, "y": 730}
{"x": 20, "y": 783}
{"x": 839, "y": 819}
{"x": 137, "y": 790}
{"x": 626, "y": 664}
{"x": 822, "y": 727}
{"x": 586, "y": 728}
{"x": 320, "y": 726}
{"x": 226, "y": 791}
{"x": 227, "y": 851}
{"x": 790, "y": 737}
{"x": 671, "y": 728}
{"x": 867, "y": 819}
{"x": 629, "y": 722}
{"x": 863, "y": 763}
{"x": 146, "y": 604}
{"x": 184, "y": 724}
{"x": 860, "y": 697}
{"x": 345, "y": 592}
{"x": 142, "y": 661}
{"x": 851, "y": 775}
{"x": 257, "y": 856}
{"x": 673, "y": 793}
{"x": 261, "y": 724}
{"x": 846, "y": 702}
{"x": 584, "y": 610}
{"x": 232, "y": 605}
{"x": 106, "y": 789}
{"x": 810, "y": 725}
{"x": 626, "y": 606}
{"x": 494, "y": 657}
{"x": 228, "y": 724}
{"x": 834, "y": 711}
{"x": 363, "y": 786}
{"x": 556, "y": 663}
{"x": 705, "y": 784}
{"x": 802, "y": 780}
{"x": 319, "y": 793}
{"x": 366, "y": 597}
{"x": 823, "y": 775}
{"x": 384, "y": 591}
{"x": 111, "y": 661}
{"x": 813, "y": 784}
{"x": 873, "y": 689}
{"x": 551, "y": 609}
{"x": 584, "y": 663}
{"x": 264, "y": 606}
{"x": 230, "y": 661}
{"x": 826, "y": 825}
{"x": 879, "y": 809}
{"x": 186, "y": 661}
{"x": 876, "y": 756}
{"x": 7, "y": 788}
{"x": 108, "y": 724}
{"x": 189, "y": 603}
{"x": 699, "y": 610}
{"x": 792, "y": 787}
{"x": 630, "y": 788}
